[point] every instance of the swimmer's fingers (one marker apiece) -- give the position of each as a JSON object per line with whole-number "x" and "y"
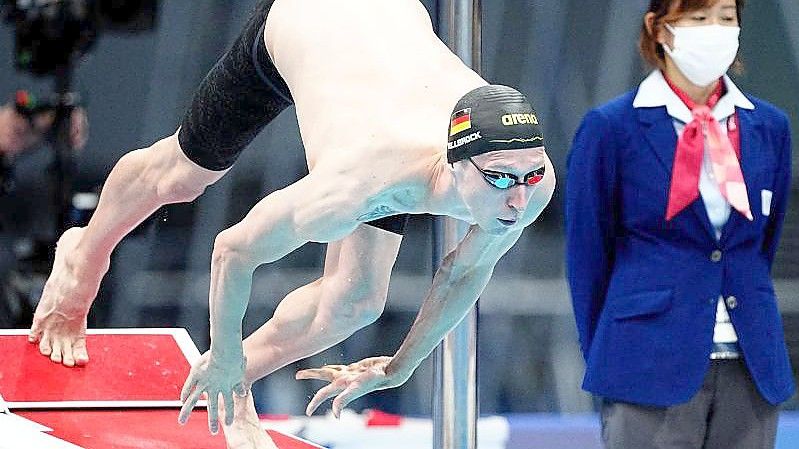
{"x": 241, "y": 389}
{"x": 227, "y": 397}
{"x": 321, "y": 396}
{"x": 188, "y": 405}
{"x": 213, "y": 412}
{"x": 351, "y": 393}
{"x": 328, "y": 373}
{"x": 190, "y": 384}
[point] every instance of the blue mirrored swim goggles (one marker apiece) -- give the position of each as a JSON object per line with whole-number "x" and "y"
{"x": 502, "y": 180}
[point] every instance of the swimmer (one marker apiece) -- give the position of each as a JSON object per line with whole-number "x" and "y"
{"x": 393, "y": 123}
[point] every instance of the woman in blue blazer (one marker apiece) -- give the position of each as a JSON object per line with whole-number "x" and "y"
{"x": 675, "y": 199}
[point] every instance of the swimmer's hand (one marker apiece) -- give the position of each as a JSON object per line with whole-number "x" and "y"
{"x": 215, "y": 375}
{"x": 349, "y": 382}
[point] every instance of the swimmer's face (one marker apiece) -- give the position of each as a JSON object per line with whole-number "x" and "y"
{"x": 494, "y": 209}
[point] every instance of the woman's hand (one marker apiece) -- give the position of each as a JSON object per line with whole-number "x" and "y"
{"x": 349, "y": 382}
{"x": 215, "y": 375}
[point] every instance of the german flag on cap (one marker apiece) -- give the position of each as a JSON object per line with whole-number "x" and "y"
{"x": 461, "y": 121}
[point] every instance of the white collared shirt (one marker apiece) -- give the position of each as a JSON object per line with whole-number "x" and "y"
{"x": 653, "y": 92}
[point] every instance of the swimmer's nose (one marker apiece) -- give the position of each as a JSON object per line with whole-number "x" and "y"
{"x": 518, "y": 196}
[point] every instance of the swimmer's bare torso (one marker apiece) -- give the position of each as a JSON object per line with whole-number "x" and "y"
{"x": 374, "y": 88}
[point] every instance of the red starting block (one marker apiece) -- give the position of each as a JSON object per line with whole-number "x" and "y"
{"x": 127, "y": 397}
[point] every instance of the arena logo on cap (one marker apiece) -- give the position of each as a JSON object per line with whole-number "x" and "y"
{"x": 519, "y": 119}
{"x": 461, "y": 121}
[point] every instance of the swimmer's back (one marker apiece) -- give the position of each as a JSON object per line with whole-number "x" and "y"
{"x": 365, "y": 64}
{"x": 346, "y": 37}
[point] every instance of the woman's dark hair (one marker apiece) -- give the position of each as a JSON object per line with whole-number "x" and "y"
{"x": 667, "y": 11}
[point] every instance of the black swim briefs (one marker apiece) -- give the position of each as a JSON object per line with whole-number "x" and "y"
{"x": 241, "y": 94}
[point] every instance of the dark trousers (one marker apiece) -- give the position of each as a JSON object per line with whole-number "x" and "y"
{"x": 727, "y": 413}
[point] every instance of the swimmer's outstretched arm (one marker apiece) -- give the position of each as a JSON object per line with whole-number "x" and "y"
{"x": 457, "y": 284}
{"x": 280, "y": 223}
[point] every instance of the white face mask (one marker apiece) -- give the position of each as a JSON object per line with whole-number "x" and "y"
{"x": 703, "y": 53}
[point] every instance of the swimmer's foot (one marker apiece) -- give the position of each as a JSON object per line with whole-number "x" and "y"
{"x": 246, "y": 431}
{"x": 59, "y": 325}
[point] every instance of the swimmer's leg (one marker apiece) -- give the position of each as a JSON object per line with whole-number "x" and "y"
{"x": 140, "y": 183}
{"x": 231, "y": 105}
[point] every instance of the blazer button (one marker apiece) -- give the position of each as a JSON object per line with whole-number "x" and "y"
{"x": 715, "y": 256}
{"x": 732, "y": 302}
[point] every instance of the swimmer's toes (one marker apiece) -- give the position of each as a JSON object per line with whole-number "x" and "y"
{"x": 55, "y": 355}
{"x": 33, "y": 337}
{"x": 35, "y": 333}
{"x": 44, "y": 346}
{"x": 80, "y": 352}
{"x": 68, "y": 354}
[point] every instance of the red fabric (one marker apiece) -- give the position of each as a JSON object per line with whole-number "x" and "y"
{"x": 724, "y": 151}
{"x": 721, "y": 89}
{"x": 733, "y": 132}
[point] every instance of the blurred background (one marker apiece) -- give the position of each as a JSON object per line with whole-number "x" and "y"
{"x": 137, "y": 80}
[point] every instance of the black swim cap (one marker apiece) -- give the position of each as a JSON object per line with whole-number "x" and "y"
{"x": 492, "y": 118}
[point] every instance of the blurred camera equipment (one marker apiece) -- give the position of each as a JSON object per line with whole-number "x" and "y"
{"x": 50, "y": 37}
{"x": 51, "y": 34}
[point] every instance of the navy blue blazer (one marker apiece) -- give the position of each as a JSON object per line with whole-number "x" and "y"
{"x": 644, "y": 290}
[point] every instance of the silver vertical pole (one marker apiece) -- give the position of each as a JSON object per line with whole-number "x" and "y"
{"x": 455, "y": 387}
